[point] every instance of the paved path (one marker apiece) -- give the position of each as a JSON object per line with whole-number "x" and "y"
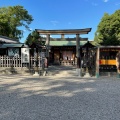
{"x": 59, "y": 98}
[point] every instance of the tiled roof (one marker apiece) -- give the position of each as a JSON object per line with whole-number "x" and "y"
{"x": 13, "y": 45}
{"x": 8, "y": 40}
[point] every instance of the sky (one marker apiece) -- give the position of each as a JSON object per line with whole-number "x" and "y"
{"x": 65, "y": 14}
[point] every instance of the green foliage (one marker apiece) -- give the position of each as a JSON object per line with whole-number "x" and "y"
{"x": 34, "y": 38}
{"x": 11, "y": 18}
{"x": 108, "y": 31}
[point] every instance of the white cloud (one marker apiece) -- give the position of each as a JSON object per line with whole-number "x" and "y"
{"x": 45, "y": 36}
{"x": 105, "y": 0}
{"x": 30, "y": 29}
{"x": 54, "y": 22}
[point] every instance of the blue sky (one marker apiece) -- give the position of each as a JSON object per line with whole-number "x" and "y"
{"x": 65, "y": 14}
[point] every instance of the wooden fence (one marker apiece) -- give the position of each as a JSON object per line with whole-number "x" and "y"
{"x": 6, "y": 61}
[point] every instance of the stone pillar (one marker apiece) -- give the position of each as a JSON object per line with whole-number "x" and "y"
{"x": 87, "y": 69}
{"x": 97, "y": 62}
{"x": 47, "y": 49}
{"x": 78, "y": 55}
{"x": 36, "y": 62}
{"x": 62, "y": 36}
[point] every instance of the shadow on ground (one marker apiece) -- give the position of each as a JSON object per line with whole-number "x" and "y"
{"x": 55, "y": 98}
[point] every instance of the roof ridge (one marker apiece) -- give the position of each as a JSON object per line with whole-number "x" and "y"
{"x": 8, "y": 38}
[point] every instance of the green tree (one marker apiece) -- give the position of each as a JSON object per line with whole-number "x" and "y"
{"x": 108, "y": 30}
{"x": 11, "y": 19}
{"x": 34, "y": 37}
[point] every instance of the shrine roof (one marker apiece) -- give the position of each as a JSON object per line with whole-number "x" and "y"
{"x": 66, "y": 43}
{"x": 5, "y": 39}
{"x": 13, "y": 45}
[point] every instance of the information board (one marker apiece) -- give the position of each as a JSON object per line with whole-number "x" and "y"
{"x": 25, "y": 57}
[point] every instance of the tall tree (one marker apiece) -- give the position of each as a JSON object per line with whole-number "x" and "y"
{"x": 34, "y": 37}
{"x": 108, "y": 30}
{"x": 11, "y": 19}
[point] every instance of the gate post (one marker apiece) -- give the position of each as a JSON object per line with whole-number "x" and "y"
{"x": 78, "y": 55}
{"x": 97, "y": 62}
{"x": 118, "y": 64}
{"x": 47, "y": 49}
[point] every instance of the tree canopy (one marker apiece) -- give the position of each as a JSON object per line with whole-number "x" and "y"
{"x": 34, "y": 37}
{"x": 108, "y": 30}
{"x": 11, "y": 19}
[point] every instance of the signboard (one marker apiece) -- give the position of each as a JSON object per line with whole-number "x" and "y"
{"x": 25, "y": 55}
{"x": 107, "y": 62}
{"x": 13, "y": 52}
{"x": 109, "y": 49}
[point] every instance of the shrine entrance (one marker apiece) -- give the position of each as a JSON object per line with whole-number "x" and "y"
{"x": 67, "y": 56}
{"x": 62, "y": 55}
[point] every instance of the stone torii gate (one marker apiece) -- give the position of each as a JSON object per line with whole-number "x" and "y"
{"x": 76, "y": 32}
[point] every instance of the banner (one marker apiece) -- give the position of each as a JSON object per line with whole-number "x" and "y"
{"x": 25, "y": 57}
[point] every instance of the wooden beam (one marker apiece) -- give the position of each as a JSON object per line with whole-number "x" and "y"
{"x": 65, "y": 31}
{"x": 68, "y": 39}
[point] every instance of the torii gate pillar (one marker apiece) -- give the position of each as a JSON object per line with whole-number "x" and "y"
{"x": 78, "y": 56}
{"x": 47, "y": 49}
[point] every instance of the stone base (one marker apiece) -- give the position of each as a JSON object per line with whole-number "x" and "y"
{"x": 118, "y": 75}
{"x": 79, "y": 72}
{"x": 87, "y": 75}
{"x": 36, "y": 74}
{"x": 97, "y": 75}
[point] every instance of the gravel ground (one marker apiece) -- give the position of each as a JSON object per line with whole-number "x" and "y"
{"x": 59, "y": 98}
